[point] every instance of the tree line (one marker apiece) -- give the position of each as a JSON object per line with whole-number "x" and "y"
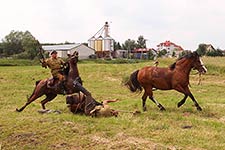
{"x": 209, "y": 50}
{"x": 19, "y": 45}
{"x": 24, "y": 45}
{"x": 130, "y": 44}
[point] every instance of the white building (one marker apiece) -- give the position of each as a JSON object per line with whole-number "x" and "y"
{"x": 62, "y": 50}
{"x": 171, "y": 48}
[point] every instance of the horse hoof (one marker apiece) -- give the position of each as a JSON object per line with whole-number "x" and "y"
{"x": 18, "y": 110}
{"x": 144, "y": 109}
{"x": 199, "y": 108}
{"x": 162, "y": 109}
{"x": 179, "y": 104}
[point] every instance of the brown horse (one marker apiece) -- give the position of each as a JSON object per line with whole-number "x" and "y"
{"x": 73, "y": 84}
{"x": 174, "y": 77}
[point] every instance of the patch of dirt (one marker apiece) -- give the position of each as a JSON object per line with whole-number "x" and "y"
{"x": 111, "y": 79}
{"x": 122, "y": 141}
{"x": 222, "y": 119}
{"x": 22, "y": 139}
{"x": 60, "y": 146}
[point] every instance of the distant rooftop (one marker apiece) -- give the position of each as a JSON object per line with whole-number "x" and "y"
{"x": 60, "y": 47}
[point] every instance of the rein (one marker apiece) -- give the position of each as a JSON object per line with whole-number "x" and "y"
{"x": 200, "y": 79}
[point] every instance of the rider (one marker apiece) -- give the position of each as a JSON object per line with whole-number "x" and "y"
{"x": 55, "y": 64}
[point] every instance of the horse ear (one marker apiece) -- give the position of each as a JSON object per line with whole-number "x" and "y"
{"x": 76, "y": 53}
{"x": 69, "y": 55}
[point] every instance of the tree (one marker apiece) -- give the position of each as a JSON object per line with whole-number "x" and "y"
{"x": 116, "y": 45}
{"x": 1, "y": 49}
{"x": 20, "y": 44}
{"x": 141, "y": 42}
{"x": 217, "y": 52}
{"x": 12, "y": 43}
{"x": 162, "y": 53}
{"x": 201, "y": 49}
{"x": 151, "y": 55}
{"x": 129, "y": 44}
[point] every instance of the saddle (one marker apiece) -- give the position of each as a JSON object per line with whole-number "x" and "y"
{"x": 56, "y": 84}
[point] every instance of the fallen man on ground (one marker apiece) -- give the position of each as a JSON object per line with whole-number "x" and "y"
{"x": 79, "y": 104}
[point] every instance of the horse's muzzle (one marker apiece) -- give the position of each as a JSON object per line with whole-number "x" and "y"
{"x": 202, "y": 70}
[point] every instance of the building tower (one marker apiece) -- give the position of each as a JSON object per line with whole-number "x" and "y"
{"x": 102, "y": 42}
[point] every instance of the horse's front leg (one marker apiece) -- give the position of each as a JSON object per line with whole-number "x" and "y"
{"x": 195, "y": 102}
{"x": 182, "y": 101}
{"x": 187, "y": 92}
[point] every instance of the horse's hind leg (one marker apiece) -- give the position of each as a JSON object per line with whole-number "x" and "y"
{"x": 22, "y": 108}
{"x": 31, "y": 99}
{"x": 48, "y": 98}
{"x": 157, "y": 103}
{"x": 144, "y": 97}
{"x": 148, "y": 92}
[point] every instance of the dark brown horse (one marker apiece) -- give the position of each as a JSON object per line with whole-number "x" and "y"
{"x": 73, "y": 84}
{"x": 174, "y": 77}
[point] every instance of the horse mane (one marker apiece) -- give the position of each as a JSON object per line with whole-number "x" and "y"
{"x": 189, "y": 55}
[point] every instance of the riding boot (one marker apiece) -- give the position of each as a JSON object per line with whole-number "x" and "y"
{"x": 51, "y": 84}
{"x": 77, "y": 85}
{"x": 53, "y": 87}
{"x": 62, "y": 87}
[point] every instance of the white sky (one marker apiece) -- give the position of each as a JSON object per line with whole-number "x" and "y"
{"x": 184, "y": 22}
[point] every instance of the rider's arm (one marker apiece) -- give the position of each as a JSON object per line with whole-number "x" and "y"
{"x": 44, "y": 63}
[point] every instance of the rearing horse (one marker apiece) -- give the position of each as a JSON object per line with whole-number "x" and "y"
{"x": 174, "y": 77}
{"x": 72, "y": 85}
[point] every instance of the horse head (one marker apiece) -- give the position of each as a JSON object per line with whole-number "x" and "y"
{"x": 198, "y": 64}
{"x": 74, "y": 57}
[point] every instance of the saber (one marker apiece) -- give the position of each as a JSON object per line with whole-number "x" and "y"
{"x": 41, "y": 53}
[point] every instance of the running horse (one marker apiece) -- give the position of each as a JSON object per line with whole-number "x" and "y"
{"x": 174, "y": 77}
{"x": 73, "y": 84}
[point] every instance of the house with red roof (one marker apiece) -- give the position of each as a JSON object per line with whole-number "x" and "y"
{"x": 171, "y": 48}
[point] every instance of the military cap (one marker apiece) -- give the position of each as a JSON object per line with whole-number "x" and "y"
{"x": 53, "y": 52}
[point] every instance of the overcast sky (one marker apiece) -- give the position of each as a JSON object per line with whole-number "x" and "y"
{"x": 184, "y": 22}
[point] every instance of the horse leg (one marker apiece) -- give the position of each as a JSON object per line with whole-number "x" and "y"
{"x": 157, "y": 103}
{"x": 31, "y": 99}
{"x": 187, "y": 92}
{"x": 22, "y": 108}
{"x": 195, "y": 102}
{"x": 149, "y": 92}
{"x": 144, "y": 97}
{"x": 48, "y": 98}
{"x": 182, "y": 101}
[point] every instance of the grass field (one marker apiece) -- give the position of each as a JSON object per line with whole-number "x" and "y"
{"x": 176, "y": 128}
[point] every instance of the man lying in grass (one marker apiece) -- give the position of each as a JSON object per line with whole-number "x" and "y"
{"x": 78, "y": 103}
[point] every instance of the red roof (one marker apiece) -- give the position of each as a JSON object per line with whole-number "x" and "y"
{"x": 168, "y": 44}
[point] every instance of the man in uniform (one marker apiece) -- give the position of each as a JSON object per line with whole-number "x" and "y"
{"x": 55, "y": 64}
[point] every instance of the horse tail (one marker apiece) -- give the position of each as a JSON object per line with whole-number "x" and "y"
{"x": 133, "y": 83}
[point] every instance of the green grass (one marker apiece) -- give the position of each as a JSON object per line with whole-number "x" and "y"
{"x": 149, "y": 130}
